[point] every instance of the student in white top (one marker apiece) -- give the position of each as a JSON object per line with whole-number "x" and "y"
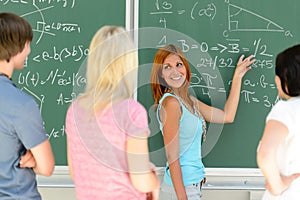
{"x": 278, "y": 154}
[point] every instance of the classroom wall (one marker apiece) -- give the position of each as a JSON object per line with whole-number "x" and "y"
{"x": 69, "y": 194}
{"x": 223, "y": 184}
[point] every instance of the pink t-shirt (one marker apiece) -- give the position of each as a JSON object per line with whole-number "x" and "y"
{"x": 97, "y": 147}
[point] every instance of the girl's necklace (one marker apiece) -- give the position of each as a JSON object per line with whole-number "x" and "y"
{"x": 196, "y": 112}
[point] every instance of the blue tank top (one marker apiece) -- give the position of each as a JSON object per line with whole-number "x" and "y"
{"x": 190, "y": 134}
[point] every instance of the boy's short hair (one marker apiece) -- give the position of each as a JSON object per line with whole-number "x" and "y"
{"x": 14, "y": 33}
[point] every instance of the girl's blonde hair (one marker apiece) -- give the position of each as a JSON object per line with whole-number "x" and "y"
{"x": 111, "y": 68}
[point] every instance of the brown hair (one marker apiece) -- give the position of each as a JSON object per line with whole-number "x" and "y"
{"x": 14, "y": 33}
{"x": 158, "y": 84}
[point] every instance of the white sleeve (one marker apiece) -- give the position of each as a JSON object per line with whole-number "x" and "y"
{"x": 283, "y": 113}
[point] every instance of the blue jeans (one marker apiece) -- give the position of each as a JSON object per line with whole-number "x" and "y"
{"x": 193, "y": 192}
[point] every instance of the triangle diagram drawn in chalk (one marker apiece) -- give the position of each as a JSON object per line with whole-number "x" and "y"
{"x": 240, "y": 19}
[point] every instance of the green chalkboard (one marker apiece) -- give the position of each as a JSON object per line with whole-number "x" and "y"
{"x": 214, "y": 34}
{"x": 62, "y": 33}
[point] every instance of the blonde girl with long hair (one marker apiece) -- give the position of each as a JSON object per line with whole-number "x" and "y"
{"x": 107, "y": 129}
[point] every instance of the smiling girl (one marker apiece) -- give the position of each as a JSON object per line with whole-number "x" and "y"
{"x": 182, "y": 118}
